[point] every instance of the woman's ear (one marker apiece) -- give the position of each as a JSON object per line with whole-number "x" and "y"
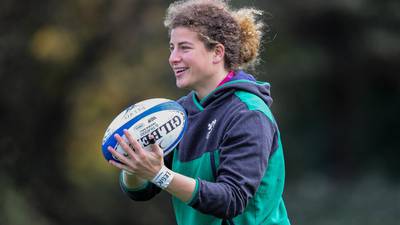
{"x": 219, "y": 53}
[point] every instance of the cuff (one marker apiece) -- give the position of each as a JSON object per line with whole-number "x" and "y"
{"x": 195, "y": 193}
{"x": 138, "y": 188}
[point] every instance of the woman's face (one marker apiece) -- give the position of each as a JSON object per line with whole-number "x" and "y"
{"x": 191, "y": 62}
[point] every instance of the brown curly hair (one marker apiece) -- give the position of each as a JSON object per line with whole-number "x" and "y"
{"x": 239, "y": 31}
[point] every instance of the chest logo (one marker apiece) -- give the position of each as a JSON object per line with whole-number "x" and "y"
{"x": 211, "y": 127}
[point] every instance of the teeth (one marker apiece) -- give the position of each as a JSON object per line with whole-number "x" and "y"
{"x": 181, "y": 70}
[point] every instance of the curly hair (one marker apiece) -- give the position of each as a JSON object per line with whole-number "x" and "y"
{"x": 239, "y": 31}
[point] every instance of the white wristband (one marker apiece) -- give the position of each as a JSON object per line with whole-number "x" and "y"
{"x": 163, "y": 177}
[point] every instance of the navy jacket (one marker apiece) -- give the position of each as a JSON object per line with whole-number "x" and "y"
{"x": 232, "y": 147}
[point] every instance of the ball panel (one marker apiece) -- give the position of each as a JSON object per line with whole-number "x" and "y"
{"x": 165, "y": 120}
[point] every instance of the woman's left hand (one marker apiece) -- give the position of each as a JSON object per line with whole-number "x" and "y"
{"x": 140, "y": 162}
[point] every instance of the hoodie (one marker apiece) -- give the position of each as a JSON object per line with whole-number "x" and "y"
{"x": 232, "y": 147}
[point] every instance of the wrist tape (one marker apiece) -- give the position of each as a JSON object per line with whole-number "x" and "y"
{"x": 163, "y": 177}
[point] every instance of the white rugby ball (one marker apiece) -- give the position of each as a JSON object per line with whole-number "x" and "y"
{"x": 164, "y": 119}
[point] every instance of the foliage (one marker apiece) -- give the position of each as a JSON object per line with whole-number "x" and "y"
{"x": 68, "y": 67}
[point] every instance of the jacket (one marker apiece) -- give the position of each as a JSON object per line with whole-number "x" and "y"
{"x": 232, "y": 147}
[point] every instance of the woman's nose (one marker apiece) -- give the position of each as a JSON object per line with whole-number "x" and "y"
{"x": 174, "y": 57}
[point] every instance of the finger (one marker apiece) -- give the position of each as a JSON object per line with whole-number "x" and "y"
{"x": 128, "y": 148}
{"x": 132, "y": 140}
{"x": 124, "y": 145}
{"x": 140, "y": 152}
{"x": 121, "y": 166}
{"x": 156, "y": 148}
{"x": 118, "y": 155}
{"x": 152, "y": 141}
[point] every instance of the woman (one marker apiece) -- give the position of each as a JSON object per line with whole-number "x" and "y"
{"x": 229, "y": 167}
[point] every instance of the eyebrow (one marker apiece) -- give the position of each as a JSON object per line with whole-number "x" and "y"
{"x": 182, "y": 43}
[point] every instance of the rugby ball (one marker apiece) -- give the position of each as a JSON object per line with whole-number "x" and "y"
{"x": 164, "y": 119}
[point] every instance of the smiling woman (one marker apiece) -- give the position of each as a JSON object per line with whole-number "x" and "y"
{"x": 194, "y": 66}
{"x": 229, "y": 166}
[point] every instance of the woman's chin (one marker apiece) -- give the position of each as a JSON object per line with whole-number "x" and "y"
{"x": 182, "y": 85}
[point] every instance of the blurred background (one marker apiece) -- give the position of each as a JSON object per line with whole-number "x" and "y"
{"x": 67, "y": 68}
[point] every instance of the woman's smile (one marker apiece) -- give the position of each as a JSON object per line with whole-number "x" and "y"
{"x": 180, "y": 71}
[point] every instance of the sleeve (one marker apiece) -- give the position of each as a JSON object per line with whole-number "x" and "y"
{"x": 148, "y": 190}
{"x": 244, "y": 152}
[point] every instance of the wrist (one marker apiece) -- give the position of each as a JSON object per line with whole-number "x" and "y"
{"x": 163, "y": 178}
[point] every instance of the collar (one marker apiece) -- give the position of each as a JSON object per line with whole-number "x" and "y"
{"x": 227, "y": 78}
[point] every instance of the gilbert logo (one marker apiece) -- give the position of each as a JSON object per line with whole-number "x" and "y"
{"x": 211, "y": 127}
{"x": 162, "y": 130}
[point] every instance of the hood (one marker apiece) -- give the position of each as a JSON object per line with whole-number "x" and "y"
{"x": 241, "y": 81}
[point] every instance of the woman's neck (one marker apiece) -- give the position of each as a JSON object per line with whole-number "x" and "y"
{"x": 212, "y": 84}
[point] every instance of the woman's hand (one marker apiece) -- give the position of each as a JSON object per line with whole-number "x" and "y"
{"x": 142, "y": 163}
